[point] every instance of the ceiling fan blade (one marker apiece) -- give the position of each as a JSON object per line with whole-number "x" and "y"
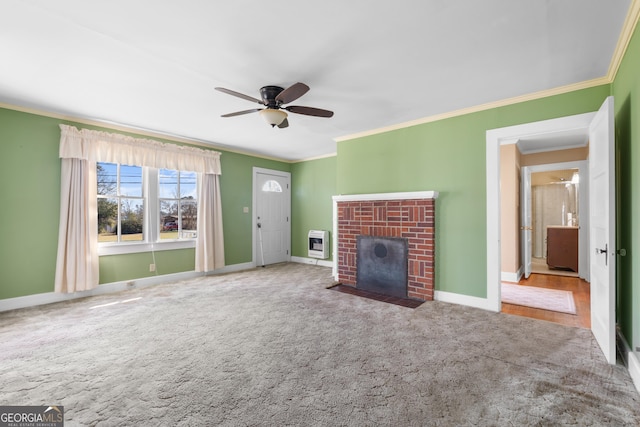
{"x": 292, "y": 93}
{"x": 284, "y": 124}
{"x": 239, "y": 95}
{"x": 239, "y": 113}
{"x": 309, "y": 111}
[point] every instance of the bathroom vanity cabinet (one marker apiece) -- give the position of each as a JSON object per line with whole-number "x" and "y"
{"x": 562, "y": 247}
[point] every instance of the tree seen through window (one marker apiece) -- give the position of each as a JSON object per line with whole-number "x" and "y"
{"x": 178, "y": 204}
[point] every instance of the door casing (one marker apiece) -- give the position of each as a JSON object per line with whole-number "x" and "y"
{"x": 503, "y": 136}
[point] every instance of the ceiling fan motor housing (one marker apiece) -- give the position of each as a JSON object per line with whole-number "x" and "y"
{"x": 269, "y": 94}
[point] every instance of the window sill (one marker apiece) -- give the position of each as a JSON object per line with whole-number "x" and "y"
{"x": 133, "y": 248}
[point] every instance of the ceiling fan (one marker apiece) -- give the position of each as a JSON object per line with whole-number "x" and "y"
{"x": 274, "y": 98}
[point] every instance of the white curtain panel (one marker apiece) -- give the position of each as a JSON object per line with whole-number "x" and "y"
{"x": 77, "y": 262}
{"x": 80, "y": 150}
{"x": 210, "y": 240}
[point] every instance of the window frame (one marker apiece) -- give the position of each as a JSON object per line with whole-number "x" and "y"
{"x": 151, "y": 223}
{"x": 120, "y": 198}
{"x": 181, "y": 203}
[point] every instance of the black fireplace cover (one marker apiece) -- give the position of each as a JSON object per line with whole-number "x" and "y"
{"x": 382, "y": 265}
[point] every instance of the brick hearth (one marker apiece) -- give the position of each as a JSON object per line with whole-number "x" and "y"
{"x": 406, "y": 215}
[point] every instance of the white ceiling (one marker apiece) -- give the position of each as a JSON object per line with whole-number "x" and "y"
{"x": 153, "y": 64}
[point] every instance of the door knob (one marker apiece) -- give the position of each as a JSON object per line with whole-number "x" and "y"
{"x": 603, "y": 251}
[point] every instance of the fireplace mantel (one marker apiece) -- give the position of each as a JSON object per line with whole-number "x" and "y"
{"x": 409, "y": 215}
{"x": 411, "y": 195}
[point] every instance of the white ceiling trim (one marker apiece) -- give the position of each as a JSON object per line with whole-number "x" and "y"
{"x": 145, "y": 132}
{"x": 629, "y": 26}
{"x": 154, "y": 134}
{"x": 313, "y": 139}
{"x": 488, "y": 106}
{"x": 630, "y": 23}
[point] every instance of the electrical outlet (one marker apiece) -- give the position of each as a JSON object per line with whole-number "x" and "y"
{"x": 152, "y": 267}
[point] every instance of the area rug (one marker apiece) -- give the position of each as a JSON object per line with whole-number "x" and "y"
{"x": 546, "y": 299}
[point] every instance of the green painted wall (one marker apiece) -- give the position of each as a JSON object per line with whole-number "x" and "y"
{"x": 313, "y": 183}
{"x": 626, "y": 92}
{"x": 448, "y": 156}
{"x": 236, "y": 191}
{"x": 116, "y": 268}
{"x": 30, "y": 194}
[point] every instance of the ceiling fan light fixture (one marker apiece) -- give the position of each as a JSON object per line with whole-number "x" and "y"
{"x": 272, "y": 116}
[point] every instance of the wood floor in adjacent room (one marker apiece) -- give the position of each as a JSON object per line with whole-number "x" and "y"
{"x": 581, "y": 296}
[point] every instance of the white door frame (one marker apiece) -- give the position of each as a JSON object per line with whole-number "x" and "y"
{"x": 496, "y": 138}
{"x": 254, "y": 219}
{"x": 526, "y": 220}
{"x": 583, "y": 208}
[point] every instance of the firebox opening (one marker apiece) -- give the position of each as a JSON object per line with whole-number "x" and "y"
{"x": 382, "y": 265}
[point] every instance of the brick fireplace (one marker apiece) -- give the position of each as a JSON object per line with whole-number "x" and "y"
{"x": 400, "y": 215}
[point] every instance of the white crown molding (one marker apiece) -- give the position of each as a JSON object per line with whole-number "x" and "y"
{"x": 628, "y": 27}
{"x": 141, "y": 131}
{"x": 475, "y": 109}
{"x": 309, "y": 159}
{"x": 631, "y": 21}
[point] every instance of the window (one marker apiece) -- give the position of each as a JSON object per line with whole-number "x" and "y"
{"x": 145, "y": 206}
{"x": 120, "y": 203}
{"x": 177, "y": 192}
{"x": 272, "y": 186}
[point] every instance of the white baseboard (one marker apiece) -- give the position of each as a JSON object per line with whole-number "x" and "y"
{"x": 312, "y": 261}
{"x": 511, "y": 277}
{"x": 467, "y": 300}
{"x": 232, "y": 268}
{"x": 633, "y": 363}
{"x": 107, "y": 288}
{"x": 634, "y": 369}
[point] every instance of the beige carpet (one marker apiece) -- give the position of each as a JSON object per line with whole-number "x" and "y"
{"x": 273, "y": 347}
{"x": 546, "y": 299}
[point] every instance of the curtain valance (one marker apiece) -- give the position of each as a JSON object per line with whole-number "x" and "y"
{"x": 98, "y": 146}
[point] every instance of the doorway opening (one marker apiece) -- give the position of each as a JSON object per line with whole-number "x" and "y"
{"x": 555, "y": 206}
{"x": 599, "y": 128}
{"x": 554, "y": 214}
{"x": 551, "y": 218}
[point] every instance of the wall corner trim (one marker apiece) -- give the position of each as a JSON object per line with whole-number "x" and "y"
{"x": 469, "y": 301}
{"x": 633, "y": 363}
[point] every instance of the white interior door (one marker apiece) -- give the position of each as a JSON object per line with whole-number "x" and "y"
{"x": 602, "y": 229}
{"x": 526, "y": 229}
{"x": 272, "y": 201}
